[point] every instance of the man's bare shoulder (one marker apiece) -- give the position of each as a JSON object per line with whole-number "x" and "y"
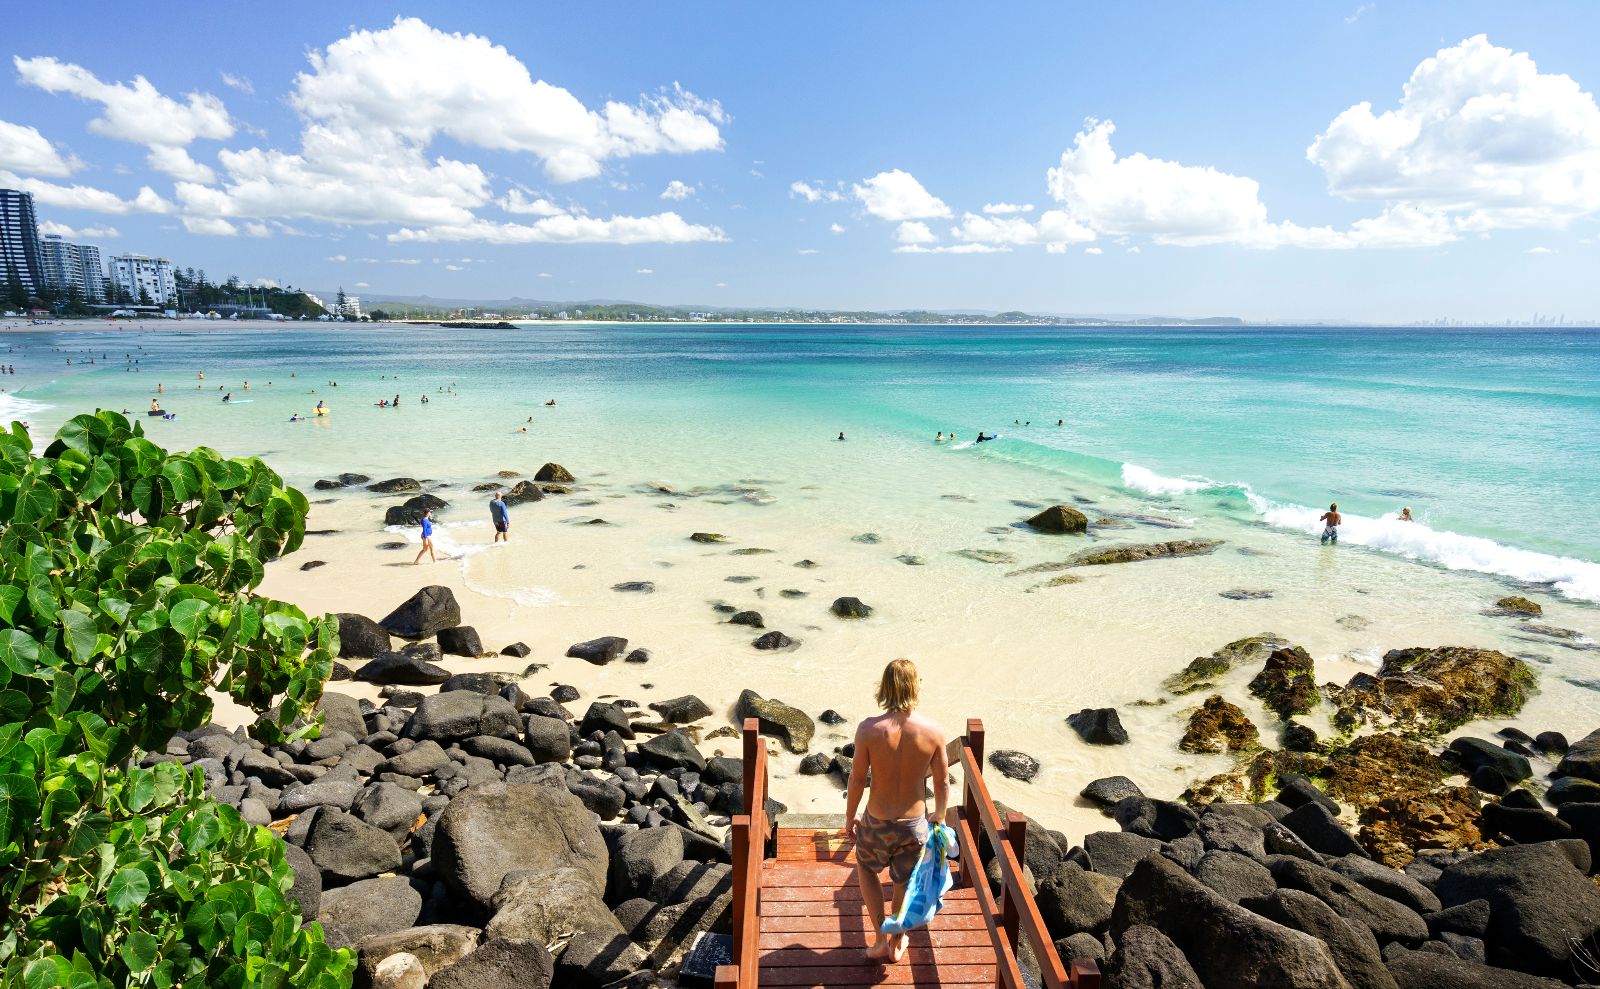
{"x": 871, "y": 727}
{"x": 926, "y": 725}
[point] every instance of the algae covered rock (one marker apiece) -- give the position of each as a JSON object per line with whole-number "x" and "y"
{"x": 1435, "y": 690}
{"x": 1204, "y": 671}
{"x": 1219, "y": 726}
{"x": 1287, "y": 682}
{"x": 1059, "y": 519}
{"x": 789, "y": 724}
{"x": 1144, "y": 551}
{"x": 1516, "y": 604}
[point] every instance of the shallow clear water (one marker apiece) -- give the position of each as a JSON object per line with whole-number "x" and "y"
{"x": 1491, "y": 437}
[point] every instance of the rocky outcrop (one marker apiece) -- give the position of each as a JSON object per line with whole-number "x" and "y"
{"x": 523, "y": 493}
{"x": 495, "y": 828}
{"x": 1516, "y": 604}
{"x": 423, "y": 614}
{"x": 1287, "y": 682}
{"x": 1219, "y": 726}
{"x": 396, "y": 485}
{"x": 1059, "y": 519}
{"x": 1435, "y": 690}
{"x": 1582, "y": 759}
{"x": 1542, "y": 906}
{"x": 1144, "y": 551}
{"x": 352, "y": 914}
{"x": 1226, "y": 944}
{"x": 850, "y": 608}
{"x": 360, "y": 637}
{"x": 460, "y": 640}
{"x": 554, "y": 474}
{"x": 607, "y": 649}
{"x": 1099, "y": 726}
{"x": 790, "y": 725}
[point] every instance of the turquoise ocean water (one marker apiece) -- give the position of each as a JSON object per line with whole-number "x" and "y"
{"x": 1491, "y": 437}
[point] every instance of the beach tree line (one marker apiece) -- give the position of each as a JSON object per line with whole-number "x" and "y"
{"x": 127, "y": 577}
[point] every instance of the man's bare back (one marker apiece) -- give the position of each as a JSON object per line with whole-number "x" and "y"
{"x": 901, "y": 749}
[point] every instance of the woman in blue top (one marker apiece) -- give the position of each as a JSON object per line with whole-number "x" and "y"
{"x": 427, "y": 539}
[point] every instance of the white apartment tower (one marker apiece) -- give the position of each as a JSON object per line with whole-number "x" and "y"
{"x": 72, "y": 268}
{"x": 139, "y": 277}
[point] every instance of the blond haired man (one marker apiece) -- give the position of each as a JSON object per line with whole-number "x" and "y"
{"x": 900, "y": 749}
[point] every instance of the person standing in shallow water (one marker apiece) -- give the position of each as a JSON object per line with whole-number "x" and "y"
{"x": 1330, "y": 524}
{"x": 901, "y": 750}
{"x": 427, "y": 539}
{"x": 501, "y": 518}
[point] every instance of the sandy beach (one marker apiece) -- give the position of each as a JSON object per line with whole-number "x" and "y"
{"x": 889, "y": 517}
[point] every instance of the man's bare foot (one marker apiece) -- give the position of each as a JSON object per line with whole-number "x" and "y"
{"x": 901, "y": 943}
{"x": 879, "y": 950}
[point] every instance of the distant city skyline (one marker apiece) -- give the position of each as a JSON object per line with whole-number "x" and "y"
{"x": 1431, "y": 162}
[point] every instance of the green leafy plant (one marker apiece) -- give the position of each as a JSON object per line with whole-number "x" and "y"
{"x": 126, "y": 580}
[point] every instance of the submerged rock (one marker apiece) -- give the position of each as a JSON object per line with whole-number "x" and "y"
{"x": 986, "y": 555}
{"x": 707, "y": 537}
{"x": 1145, "y": 551}
{"x": 1014, "y": 765}
{"x": 773, "y": 640}
{"x": 1219, "y": 726}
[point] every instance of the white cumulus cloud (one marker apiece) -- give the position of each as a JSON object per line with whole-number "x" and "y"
{"x": 24, "y": 149}
{"x": 815, "y": 192}
{"x": 86, "y": 197}
{"x": 1479, "y": 134}
{"x": 132, "y": 111}
{"x": 49, "y": 227}
{"x": 836, "y": 228}
{"x": 517, "y": 201}
{"x": 1001, "y": 209}
{"x": 897, "y": 195}
{"x": 677, "y": 190}
{"x": 915, "y": 232}
{"x": 660, "y": 228}
{"x": 417, "y": 82}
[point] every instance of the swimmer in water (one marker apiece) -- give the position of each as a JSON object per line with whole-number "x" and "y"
{"x": 841, "y": 437}
{"x": 1331, "y": 519}
{"x": 295, "y": 417}
{"x": 1059, "y": 422}
{"x": 1405, "y": 515}
{"x": 155, "y": 406}
{"x": 228, "y": 397}
{"x": 939, "y": 438}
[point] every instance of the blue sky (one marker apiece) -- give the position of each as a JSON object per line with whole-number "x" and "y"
{"x": 1264, "y": 160}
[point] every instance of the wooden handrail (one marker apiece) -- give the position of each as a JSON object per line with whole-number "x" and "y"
{"x": 1019, "y": 912}
{"x": 749, "y": 846}
{"x": 1008, "y": 975}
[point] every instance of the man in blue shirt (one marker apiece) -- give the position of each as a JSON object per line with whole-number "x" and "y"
{"x": 427, "y": 539}
{"x": 501, "y": 518}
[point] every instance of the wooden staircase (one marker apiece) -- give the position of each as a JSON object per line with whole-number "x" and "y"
{"x": 799, "y": 921}
{"x": 815, "y": 931}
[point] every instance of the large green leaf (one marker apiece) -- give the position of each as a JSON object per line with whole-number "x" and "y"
{"x": 80, "y": 633}
{"x": 128, "y": 888}
{"x": 189, "y": 617}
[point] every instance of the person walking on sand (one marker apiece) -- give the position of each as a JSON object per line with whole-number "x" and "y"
{"x": 1330, "y": 524}
{"x": 501, "y": 518}
{"x": 901, "y": 750}
{"x": 427, "y": 539}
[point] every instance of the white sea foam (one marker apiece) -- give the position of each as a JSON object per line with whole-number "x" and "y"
{"x": 1578, "y": 579}
{"x": 1146, "y": 480}
{"x": 14, "y": 408}
{"x": 443, "y": 542}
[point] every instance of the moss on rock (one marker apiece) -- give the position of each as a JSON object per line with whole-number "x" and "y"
{"x": 1431, "y": 691}
{"x": 1219, "y": 726}
{"x": 1287, "y": 682}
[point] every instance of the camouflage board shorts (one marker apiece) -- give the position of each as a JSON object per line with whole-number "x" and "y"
{"x": 893, "y": 844}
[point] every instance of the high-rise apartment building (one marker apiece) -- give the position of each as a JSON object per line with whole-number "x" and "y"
{"x": 141, "y": 278}
{"x": 72, "y": 268}
{"x": 19, "y": 240}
